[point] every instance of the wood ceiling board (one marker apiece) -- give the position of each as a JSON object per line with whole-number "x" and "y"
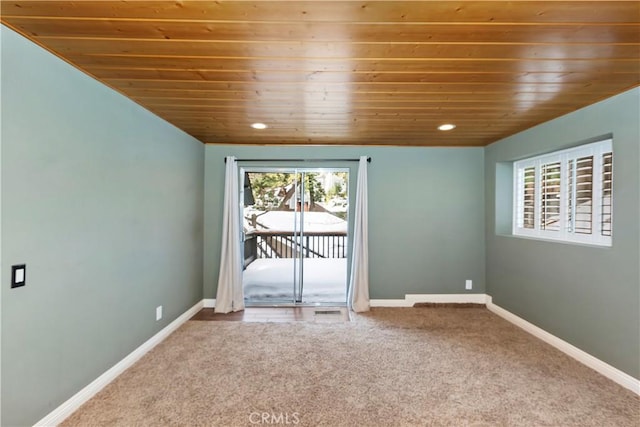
{"x": 625, "y": 76}
{"x": 144, "y": 95}
{"x": 601, "y": 89}
{"x": 454, "y": 141}
{"x": 315, "y": 68}
{"x": 317, "y": 52}
{"x": 347, "y": 32}
{"x": 442, "y": 79}
{"x": 337, "y": 11}
{"x": 353, "y": 108}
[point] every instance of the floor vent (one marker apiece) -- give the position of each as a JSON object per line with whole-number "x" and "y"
{"x": 331, "y": 315}
{"x": 329, "y": 312}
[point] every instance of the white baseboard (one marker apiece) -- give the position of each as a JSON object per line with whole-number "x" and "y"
{"x": 389, "y": 303}
{"x": 614, "y": 374}
{"x": 72, "y": 404}
{"x": 209, "y": 303}
{"x": 410, "y": 299}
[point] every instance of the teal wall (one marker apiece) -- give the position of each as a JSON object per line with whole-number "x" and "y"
{"x": 103, "y": 202}
{"x": 426, "y": 214}
{"x": 588, "y": 296}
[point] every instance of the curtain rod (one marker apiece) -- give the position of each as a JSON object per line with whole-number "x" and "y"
{"x": 299, "y": 160}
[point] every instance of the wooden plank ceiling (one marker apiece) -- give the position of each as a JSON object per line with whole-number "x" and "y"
{"x": 346, "y": 72}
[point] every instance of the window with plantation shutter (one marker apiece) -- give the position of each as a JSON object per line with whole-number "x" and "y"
{"x": 566, "y": 195}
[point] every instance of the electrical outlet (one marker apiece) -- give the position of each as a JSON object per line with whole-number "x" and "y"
{"x": 158, "y": 312}
{"x": 468, "y": 284}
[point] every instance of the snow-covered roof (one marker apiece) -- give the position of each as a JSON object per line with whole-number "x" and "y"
{"x": 313, "y": 221}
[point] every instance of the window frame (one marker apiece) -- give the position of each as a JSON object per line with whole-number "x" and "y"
{"x": 565, "y": 233}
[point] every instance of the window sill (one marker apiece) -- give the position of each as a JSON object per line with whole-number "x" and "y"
{"x": 547, "y": 240}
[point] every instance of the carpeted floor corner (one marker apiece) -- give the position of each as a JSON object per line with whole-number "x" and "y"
{"x": 388, "y": 367}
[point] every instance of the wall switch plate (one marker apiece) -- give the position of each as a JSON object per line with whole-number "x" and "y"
{"x": 159, "y": 312}
{"x": 18, "y": 275}
{"x": 468, "y": 284}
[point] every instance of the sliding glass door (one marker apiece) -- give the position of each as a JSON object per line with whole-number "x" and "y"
{"x": 295, "y": 236}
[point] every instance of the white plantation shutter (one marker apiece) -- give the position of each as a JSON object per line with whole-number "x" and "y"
{"x": 529, "y": 207}
{"x": 582, "y": 195}
{"x": 566, "y": 195}
{"x": 550, "y": 203}
{"x": 606, "y": 199}
{"x": 526, "y": 212}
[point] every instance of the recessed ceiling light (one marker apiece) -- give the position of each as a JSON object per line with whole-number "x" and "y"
{"x": 258, "y": 126}
{"x": 447, "y": 126}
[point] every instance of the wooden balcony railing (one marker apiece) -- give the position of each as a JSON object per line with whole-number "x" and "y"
{"x": 283, "y": 244}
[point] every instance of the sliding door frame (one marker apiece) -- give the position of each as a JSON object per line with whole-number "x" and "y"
{"x": 298, "y": 233}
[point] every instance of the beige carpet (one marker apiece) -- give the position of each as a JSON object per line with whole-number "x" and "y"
{"x": 391, "y": 367}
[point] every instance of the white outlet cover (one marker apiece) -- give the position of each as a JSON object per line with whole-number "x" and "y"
{"x": 468, "y": 284}
{"x": 159, "y": 312}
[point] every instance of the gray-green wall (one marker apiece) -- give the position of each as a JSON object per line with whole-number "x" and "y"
{"x": 103, "y": 201}
{"x": 426, "y": 214}
{"x": 588, "y": 296}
